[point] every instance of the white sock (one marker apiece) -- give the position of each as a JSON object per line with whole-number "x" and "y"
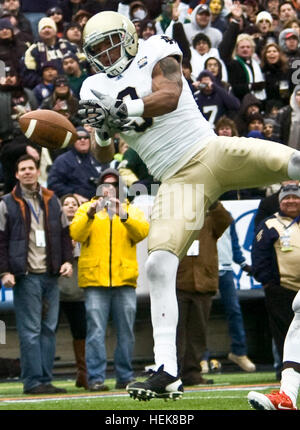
{"x": 290, "y": 382}
{"x": 161, "y": 270}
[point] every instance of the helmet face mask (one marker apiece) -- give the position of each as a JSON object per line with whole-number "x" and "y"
{"x": 104, "y": 59}
{"x": 110, "y": 42}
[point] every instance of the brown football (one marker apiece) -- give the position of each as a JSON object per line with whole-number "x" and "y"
{"x": 48, "y": 128}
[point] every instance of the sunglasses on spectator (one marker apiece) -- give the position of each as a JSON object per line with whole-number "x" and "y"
{"x": 114, "y": 184}
{"x": 292, "y": 187}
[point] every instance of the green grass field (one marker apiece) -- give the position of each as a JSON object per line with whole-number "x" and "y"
{"x": 229, "y": 392}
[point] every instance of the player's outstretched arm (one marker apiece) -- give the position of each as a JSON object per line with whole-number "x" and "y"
{"x": 166, "y": 88}
{"x": 104, "y": 154}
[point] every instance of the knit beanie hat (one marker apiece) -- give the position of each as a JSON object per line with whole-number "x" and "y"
{"x": 61, "y": 80}
{"x": 46, "y": 22}
{"x": 264, "y": 15}
{"x": 287, "y": 190}
{"x": 70, "y": 54}
{"x": 5, "y": 23}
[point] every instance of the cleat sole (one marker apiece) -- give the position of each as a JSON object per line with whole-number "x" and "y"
{"x": 173, "y": 395}
{"x": 139, "y": 394}
{"x": 256, "y": 405}
{"x": 147, "y": 395}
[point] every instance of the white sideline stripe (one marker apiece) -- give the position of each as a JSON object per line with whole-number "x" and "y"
{"x": 59, "y": 399}
{"x": 252, "y": 388}
{"x": 31, "y": 127}
{"x": 67, "y": 139}
{"x": 112, "y": 396}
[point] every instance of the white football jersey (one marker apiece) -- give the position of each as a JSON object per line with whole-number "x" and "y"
{"x": 167, "y": 142}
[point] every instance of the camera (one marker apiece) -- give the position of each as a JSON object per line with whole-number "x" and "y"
{"x": 7, "y": 71}
{"x": 202, "y": 86}
{"x": 93, "y": 181}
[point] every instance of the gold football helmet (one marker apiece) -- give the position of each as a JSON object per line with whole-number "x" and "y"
{"x": 104, "y": 34}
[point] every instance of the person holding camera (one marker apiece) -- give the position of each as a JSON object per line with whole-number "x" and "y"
{"x": 214, "y": 101}
{"x": 76, "y": 171}
{"x": 108, "y": 228}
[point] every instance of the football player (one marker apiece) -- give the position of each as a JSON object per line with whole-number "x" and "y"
{"x": 286, "y": 397}
{"x": 141, "y": 93}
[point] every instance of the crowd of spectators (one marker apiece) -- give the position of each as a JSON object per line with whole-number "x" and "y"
{"x": 240, "y": 58}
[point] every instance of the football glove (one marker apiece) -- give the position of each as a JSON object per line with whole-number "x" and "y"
{"x": 116, "y": 111}
{"x": 92, "y": 113}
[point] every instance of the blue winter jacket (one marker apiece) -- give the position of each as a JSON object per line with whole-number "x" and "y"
{"x": 73, "y": 172}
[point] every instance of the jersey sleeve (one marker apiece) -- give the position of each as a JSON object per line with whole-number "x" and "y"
{"x": 85, "y": 91}
{"x": 160, "y": 46}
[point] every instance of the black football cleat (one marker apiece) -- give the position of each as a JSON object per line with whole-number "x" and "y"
{"x": 160, "y": 385}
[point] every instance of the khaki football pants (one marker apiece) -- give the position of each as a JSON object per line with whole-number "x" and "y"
{"x": 226, "y": 163}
